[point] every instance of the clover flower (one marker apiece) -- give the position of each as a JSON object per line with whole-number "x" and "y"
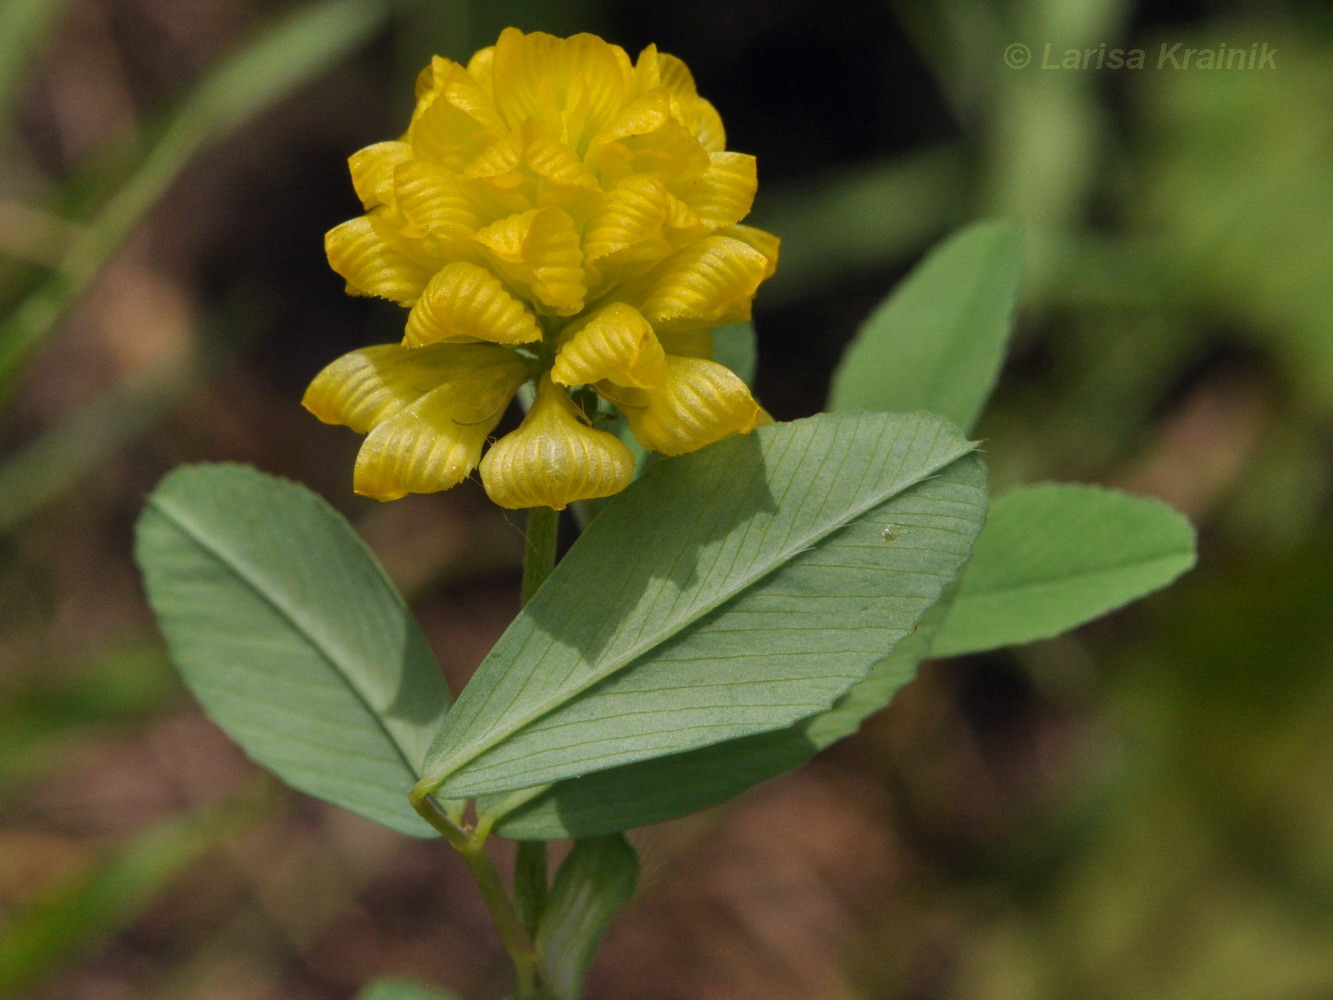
{"x": 553, "y": 213}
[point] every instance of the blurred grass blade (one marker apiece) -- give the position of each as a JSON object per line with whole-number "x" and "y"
{"x": 93, "y": 905}
{"x": 25, "y": 26}
{"x": 53, "y": 462}
{"x": 49, "y": 713}
{"x": 280, "y": 59}
{"x": 402, "y": 989}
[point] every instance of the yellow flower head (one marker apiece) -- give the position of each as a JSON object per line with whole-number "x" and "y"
{"x": 554, "y": 212}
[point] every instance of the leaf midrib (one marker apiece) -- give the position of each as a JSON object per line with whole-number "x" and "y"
{"x": 252, "y": 580}
{"x": 666, "y": 633}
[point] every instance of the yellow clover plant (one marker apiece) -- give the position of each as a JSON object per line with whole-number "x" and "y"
{"x": 555, "y": 213}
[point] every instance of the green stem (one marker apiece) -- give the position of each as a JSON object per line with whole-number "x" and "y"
{"x": 507, "y": 920}
{"x": 471, "y": 844}
{"x": 539, "y": 553}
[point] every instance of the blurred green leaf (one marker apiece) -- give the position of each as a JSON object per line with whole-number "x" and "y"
{"x": 1239, "y": 161}
{"x": 769, "y": 572}
{"x": 287, "y": 631}
{"x": 92, "y": 905}
{"x": 25, "y": 26}
{"x": 737, "y": 347}
{"x": 286, "y": 55}
{"x": 1054, "y": 556}
{"x": 49, "y": 713}
{"x": 938, "y": 341}
{"x": 402, "y": 989}
{"x": 595, "y": 881}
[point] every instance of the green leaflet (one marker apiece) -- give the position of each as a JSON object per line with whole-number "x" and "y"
{"x": 729, "y": 592}
{"x": 287, "y": 631}
{"x": 1054, "y": 556}
{"x": 737, "y": 347}
{"x": 937, "y": 342}
{"x": 596, "y": 880}
{"x": 653, "y": 791}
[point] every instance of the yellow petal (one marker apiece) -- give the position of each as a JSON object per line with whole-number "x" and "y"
{"x": 647, "y": 69}
{"x": 358, "y": 252}
{"x": 553, "y": 161}
{"x": 762, "y": 240}
{"x": 425, "y": 86}
{"x": 697, "y": 114}
{"x": 710, "y": 282}
{"x": 668, "y": 152}
{"x": 504, "y": 239}
{"x": 433, "y": 443}
{"x": 706, "y": 124}
{"x": 418, "y": 451}
{"x": 646, "y": 113}
{"x": 698, "y": 403}
{"x": 454, "y": 119}
{"x": 464, "y": 300}
{"x": 724, "y": 194}
{"x": 681, "y": 216}
{"x": 633, "y": 210}
{"x": 614, "y": 343}
{"x": 676, "y": 77}
{"x": 554, "y": 458}
{"x": 540, "y": 248}
{"x": 435, "y": 202}
{"x": 479, "y": 68}
{"x": 537, "y": 74}
{"x": 363, "y": 388}
{"x": 533, "y": 148}
{"x": 462, "y": 90}
{"x": 498, "y": 159}
{"x": 372, "y": 171}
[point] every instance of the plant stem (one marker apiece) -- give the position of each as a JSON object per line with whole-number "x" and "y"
{"x": 539, "y": 553}
{"x": 471, "y": 844}
{"x": 513, "y": 934}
